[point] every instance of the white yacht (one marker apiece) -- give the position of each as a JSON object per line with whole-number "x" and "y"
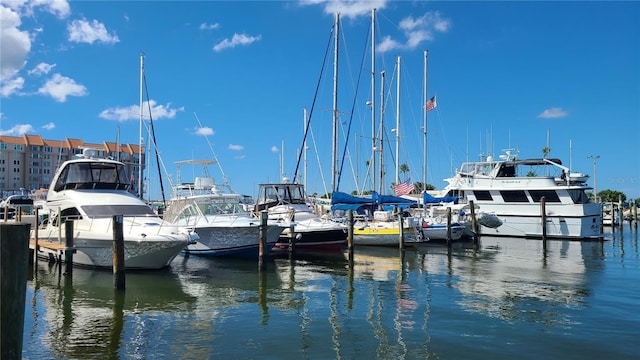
{"x": 512, "y": 189}
{"x": 219, "y": 217}
{"x": 90, "y": 190}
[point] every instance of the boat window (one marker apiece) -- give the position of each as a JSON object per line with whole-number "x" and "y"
{"x": 579, "y": 196}
{"x": 482, "y": 195}
{"x": 514, "y": 196}
{"x": 96, "y": 175}
{"x": 507, "y": 170}
{"x": 549, "y": 195}
{"x": 110, "y": 210}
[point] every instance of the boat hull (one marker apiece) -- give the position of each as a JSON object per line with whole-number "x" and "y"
{"x": 372, "y": 236}
{"x": 232, "y": 241}
{"x": 148, "y": 254}
{"x": 332, "y": 239}
{"x": 439, "y": 232}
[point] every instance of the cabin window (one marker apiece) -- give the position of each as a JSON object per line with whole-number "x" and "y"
{"x": 110, "y": 210}
{"x": 549, "y": 195}
{"x": 514, "y": 196}
{"x": 483, "y": 195}
{"x": 579, "y": 196}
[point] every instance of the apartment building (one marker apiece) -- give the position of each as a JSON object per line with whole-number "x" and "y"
{"x": 30, "y": 161}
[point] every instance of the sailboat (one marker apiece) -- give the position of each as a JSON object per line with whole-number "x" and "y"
{"x": 381, "y": 219}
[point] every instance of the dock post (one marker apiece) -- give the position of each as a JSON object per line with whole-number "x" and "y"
{"x": 474, "y": 222}
{"x": 620, "y": 213}
{"x": 35, "y": 240}
{"x": 635, "y": 214}
{"x": 118, "y": 253}
{"x": 68, "y": 247}
{"x": 292, "y": 231}
{"x": 543, "y": 217}
{"x": 400, "y": 227}
{"x": 6, "y": 213}
{"x": 14, "y": 267}
{"x": 448, "y": 227}
{"x": 350, "y": 234}
{"x": 262, "y": 247}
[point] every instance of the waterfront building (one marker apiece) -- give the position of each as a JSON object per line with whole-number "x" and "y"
{"x": 29, "y": 161}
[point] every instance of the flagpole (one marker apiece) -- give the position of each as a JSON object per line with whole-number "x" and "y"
{"x": 424, "y": 127}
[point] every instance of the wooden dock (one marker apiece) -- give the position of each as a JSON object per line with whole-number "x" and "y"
{"x": 55, "y": 251}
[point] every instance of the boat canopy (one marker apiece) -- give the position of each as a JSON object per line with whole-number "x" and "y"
{"x": 344, "y": 201}
{"x": 430, "y": 199}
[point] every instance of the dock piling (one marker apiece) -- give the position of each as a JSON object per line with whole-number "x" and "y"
{"x": 14, "y": 267}
{"x": 68, "y": 247}
{"x": 263, "y": 240}
{"x": 350, "y": 234}
{"x": 118, "y": 253}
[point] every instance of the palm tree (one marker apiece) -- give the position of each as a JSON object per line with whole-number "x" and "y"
{"x": 404, "y": 168}
{"x": 545, "y": 151}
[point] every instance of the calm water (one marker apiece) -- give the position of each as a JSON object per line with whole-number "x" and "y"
{"x": 504, "y": 299}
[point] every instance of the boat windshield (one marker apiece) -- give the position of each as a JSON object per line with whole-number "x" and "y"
{"x": 124, "y": 210}
{"x": 93, "y": 175}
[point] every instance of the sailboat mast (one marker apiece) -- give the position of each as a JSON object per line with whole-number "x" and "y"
{"x": 373, "y": 95}
{"x": 304, "y": 146}
{"x": 424, "y": 126}
{"x": 334, "y": 150}
{"x": 398, "y": 125}
{"x": 140, "y": 143}
{"x": 381, "y": 149}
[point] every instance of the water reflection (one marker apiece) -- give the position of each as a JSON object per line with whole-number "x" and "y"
{"x": 505, "y": 278}
{"x": 386, "y": 304}
{"x": 85, "y": 315}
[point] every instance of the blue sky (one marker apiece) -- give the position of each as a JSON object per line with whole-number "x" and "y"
{"x": 513, "y": 74}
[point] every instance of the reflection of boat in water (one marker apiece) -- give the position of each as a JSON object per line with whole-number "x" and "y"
{"x": 85, "y": 317}
{"x": 502, "y": 274}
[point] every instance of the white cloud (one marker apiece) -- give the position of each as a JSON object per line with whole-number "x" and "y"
{"x": 205, "y": 26}
{"x": 83, "y": 31}
{"x": 15, "y": 46}
{"x": 416, "y": 31}
{"x": 239, "y": 157}
{"x": 274, "y": 149}
{"x": 236, "y": 147}
{"x": 348, "y": 8}
{"x": 18, "y": 130}
{"x": 40, "y": 69}
{"x": 204, "y": 131}
{"x": 132, "y": 112}
{"x": 553, "y": 113}
{"x": 11, "y": 86}
{"x": 49, "y": 126}
{"x": 236, "y": 40}
{"x": 59, "y": 87}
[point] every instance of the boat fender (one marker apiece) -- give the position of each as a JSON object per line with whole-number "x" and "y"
{"x": 439, "y": 219}
{"x": 425, "y": 224}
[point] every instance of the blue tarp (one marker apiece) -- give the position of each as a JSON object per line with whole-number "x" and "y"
{"x": 344, "y": 201}
{"x": 428, "y": 199}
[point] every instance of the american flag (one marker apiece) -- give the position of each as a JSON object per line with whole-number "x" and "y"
{"x": 431, "y": 104}
{"x": 404, "y": 188}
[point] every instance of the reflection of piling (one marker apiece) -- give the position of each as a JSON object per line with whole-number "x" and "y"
{"x": 262, "y": 247}
{"x": 14, "y": 266}
{"x": 118, "y": 253}
{"x": 350, "y": 234}
{"x": 68, "y": 247}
